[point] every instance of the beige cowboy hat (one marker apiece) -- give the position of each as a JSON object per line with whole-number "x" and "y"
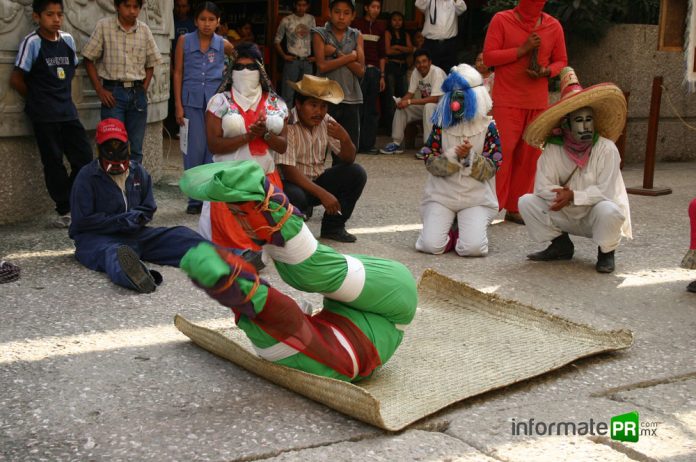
{"x": 319, "y": 87}
{"x": 606, "y": 99}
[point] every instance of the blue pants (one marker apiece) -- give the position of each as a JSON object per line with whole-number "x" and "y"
{"x": 164, "y": 246}
{"x": 198, "y": 152}
{"x": 369, "y": 116}
{"x": 293, "y": 72}
{"x": 131, "y": 109}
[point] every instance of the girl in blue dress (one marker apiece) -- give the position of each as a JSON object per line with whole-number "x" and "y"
{"x": 199, "y": 61}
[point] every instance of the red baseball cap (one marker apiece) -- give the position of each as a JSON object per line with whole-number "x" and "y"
{"x": 110, "y": 129}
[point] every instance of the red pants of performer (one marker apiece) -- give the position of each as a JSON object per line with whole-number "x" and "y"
{"x": 515, "y": 176}
{"x": 226, "y": 230}
{"x": 692, "y": 217}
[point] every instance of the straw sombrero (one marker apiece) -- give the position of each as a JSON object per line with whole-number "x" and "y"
{"x": 319, "y": 87}
{"x": 606, "y": 99}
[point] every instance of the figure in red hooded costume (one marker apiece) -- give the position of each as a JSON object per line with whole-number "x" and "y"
{"x": 526, "y": 47}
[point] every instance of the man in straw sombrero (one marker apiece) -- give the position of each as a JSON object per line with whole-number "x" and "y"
{"x": 312, "y": 135}
{"x": 578, "y": 187}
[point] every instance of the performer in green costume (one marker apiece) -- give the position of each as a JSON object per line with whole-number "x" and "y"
{"x": 367, "y": 303}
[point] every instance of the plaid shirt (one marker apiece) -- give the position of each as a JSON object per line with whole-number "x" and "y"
{"x": 120, "y": 54}
{"x": 308, "y": 149}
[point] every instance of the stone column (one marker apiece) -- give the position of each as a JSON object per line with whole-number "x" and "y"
{"x": 22, "y": 186}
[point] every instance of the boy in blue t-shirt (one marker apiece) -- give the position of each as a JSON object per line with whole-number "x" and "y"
{"x": 43, "y": 73}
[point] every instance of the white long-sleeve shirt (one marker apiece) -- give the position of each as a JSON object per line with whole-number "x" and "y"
{"x": 440, "y": 17}
{"x": 599, "y": 180}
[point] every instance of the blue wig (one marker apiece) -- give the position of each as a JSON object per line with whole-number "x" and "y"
{"x": 455, "y": 88}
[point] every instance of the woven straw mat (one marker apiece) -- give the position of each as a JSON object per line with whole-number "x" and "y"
{"x": 462, "y": 343}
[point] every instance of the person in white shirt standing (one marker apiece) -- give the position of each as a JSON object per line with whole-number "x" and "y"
{"x": 428, "y": 80}
{"x": 296, "y": 29}
{"x": 578, "y": 187}
{"x": 440, "y": 30}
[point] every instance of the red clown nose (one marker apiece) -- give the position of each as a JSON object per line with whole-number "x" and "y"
{"x": 455, "y": 106}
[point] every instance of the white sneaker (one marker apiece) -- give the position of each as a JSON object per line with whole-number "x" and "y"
{"x": 62, "y": 221}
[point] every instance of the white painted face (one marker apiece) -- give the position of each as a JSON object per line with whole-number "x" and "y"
{"x": 582, "y": 124}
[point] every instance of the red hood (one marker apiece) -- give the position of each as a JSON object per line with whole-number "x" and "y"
{"x": 530, "y": 11}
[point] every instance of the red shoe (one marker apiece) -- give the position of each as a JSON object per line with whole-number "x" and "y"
{"x": 453, "y": 236}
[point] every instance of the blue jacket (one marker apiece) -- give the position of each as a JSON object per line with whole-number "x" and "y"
{"x": 99, "y": 207}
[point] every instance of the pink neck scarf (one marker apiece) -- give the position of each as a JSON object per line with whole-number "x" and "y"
{"x": 577, "y": 151}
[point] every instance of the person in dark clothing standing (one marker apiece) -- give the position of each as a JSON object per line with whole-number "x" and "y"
{"x": 397, "y": 49}
{"x": 43, "y": 73}
{"x": 373, "y": 82}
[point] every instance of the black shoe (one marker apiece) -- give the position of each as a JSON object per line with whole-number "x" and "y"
{"x": 372, "y": 151}
{"x": 561, "y": 248}
{"x": 135, "y": 270}
{"x": 691, "y": 287}
{"x": 514, "y": 217}
{"x": 194, "y": 209}
{"x": 340, "y": 235}
{"x": 605, "y": 261}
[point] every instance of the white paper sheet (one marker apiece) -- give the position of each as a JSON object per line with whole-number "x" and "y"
{"x": 183, "y": 136}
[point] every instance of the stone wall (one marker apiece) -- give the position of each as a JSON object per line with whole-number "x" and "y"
{"x": 628, "y": 56}
{"x": 21, "y": 178}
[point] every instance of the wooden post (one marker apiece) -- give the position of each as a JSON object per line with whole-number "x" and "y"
{"x": 651, "y": 145}
{"x": 621, "y": 142}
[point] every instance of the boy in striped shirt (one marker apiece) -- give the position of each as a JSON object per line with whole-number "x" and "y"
{"x": 312, "y": 135}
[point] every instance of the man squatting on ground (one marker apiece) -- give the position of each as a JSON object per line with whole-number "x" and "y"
{"x": 689, "y": 260}
{"x": 312, "y": 135}
{"x": 427, "y": 78}
{"x": 578, "y": 187}
{"x": 112, "y": 203}
{"x": 368, "y": 300}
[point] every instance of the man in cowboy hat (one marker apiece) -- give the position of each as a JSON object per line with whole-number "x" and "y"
{"x": 312, "y": 134}
{"x": 112, "y": 203}
{"x": 578, "y": 187}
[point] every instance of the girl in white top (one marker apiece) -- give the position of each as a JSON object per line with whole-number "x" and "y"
{"x": 247, "y": 122}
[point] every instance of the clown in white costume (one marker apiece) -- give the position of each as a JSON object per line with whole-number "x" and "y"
{"x": 462, "y": 157}
{"x": 578, "y": 187}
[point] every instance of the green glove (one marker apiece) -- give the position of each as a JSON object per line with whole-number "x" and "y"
{"x": 203, "y": 264}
